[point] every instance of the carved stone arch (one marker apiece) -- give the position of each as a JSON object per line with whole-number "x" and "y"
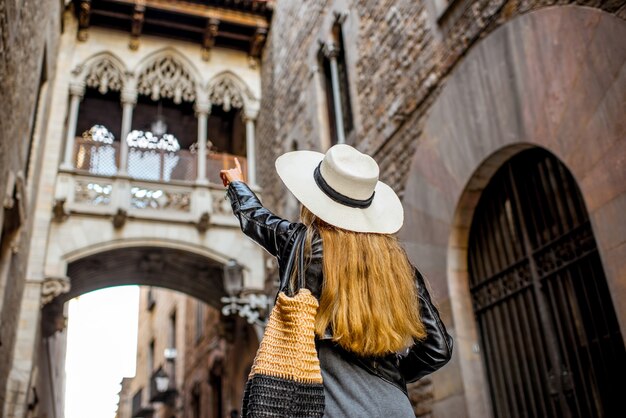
{"x": 167, "y": 74}
{"x": 103, "y": 71}
{"x": 175, "y": 269}
{"x": 144, "y": 261}
{"x": 228, "y": 90}
{"x": 200, "y": 250}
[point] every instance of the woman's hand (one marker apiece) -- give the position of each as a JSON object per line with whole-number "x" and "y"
{"x": 232, "y": 174}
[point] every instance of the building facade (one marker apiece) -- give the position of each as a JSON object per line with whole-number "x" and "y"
{"x": 149, "y": 100}
{"x": 204, "y": 357}
{"x": 501, "y": 125}
{"x": 29, "y": 42}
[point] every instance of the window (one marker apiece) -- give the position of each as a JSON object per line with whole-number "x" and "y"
{"x": 200, "y": 308}
{"x": 336, "y": 86}
{"x": 215, "y": 380}
{"x": 150, "y": 361}
{"x": 171, "y": 340}
{"x": 196, "y": 402}
{"x": 151, "y": 299}
{"x": 97, "y": 143}
{"x": 160, "y": 141}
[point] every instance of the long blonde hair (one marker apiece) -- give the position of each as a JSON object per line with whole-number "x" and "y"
{"x": 368, "y": 298}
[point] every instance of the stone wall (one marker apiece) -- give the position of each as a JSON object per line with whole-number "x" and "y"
{"x": 547, "y": 86}
{"x": 399, "y": 56}
{"x": 445, "y": 44}
{"x": 29, "y": 33}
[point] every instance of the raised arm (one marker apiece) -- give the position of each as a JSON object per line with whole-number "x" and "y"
{"x": 436, "y": 350}
{"x": 267, "y": 229}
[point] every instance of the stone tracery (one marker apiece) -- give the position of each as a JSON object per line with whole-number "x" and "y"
{"x": 166, "y": 77}
{"x": 226, "y": 93}
{"x": 105, "y": 76}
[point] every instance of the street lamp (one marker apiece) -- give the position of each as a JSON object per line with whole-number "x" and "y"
{"x": 233, "y": 277}
{"x": 250, "y": 305}
{"x": 162, "y": 381}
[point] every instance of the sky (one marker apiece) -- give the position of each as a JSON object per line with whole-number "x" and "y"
{"x": 101, "y": 350}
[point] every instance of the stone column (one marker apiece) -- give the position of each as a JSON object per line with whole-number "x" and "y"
{"x": 249, "y": 118}
{"x": 203, "y": 108}
{"x": 331, "y": 51}
{"x": 77, "y": 91}
{"x": 129, "y": 100}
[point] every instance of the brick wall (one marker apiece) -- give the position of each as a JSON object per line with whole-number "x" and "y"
{"x": 27, "y": 29}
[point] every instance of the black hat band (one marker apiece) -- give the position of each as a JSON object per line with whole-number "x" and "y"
{"x": 338, "y": 197}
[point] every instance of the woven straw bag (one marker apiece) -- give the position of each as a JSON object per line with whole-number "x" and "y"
{"x": 285, "y": 380}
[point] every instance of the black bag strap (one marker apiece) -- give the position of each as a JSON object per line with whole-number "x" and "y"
{"x": 298, "y": 251}
{"x": 301, "y": 277}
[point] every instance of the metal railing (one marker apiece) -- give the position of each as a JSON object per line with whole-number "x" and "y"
{"x": 103, "y": 159}
{"x": 96, "y": 157}
{"x": 161, "y": 165}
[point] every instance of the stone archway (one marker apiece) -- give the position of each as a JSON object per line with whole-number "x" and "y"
{"x": 173, "y": 269}
{"x": 554, "y": 78}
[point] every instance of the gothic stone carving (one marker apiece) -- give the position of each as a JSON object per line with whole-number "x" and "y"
{"x": 221, "y": 205}
{"x": 224, "y": 92}
{"x": 208, "y": 40}
{"x": 53, "y": 287}
{"x": 257, "y": 43}
{"x": 84, "y": 15}
{"x": 203, "y": 223}
{"x": 97, "y": 194}
{"x": 166, "y": 77}
{"x": 137, "y": 25}
{"x": 159, "y": 199}
{"x": 59, "y": 212}
{"x": 105, "y": 76}
{"x": 119, "y": 219}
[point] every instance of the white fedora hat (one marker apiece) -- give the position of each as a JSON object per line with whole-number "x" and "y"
{"x": 341, "y": 187}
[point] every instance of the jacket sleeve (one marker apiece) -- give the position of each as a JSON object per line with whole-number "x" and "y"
{"x": 433, "y": 352}
{"x": 267, "y": 229}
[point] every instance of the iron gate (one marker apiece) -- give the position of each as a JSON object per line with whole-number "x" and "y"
{"x": 550, "y": 337}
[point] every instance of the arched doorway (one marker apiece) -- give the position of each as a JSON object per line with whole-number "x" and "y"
{"x": 551, "y": 341}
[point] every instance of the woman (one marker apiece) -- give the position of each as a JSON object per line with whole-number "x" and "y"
{"x": 376, "y": 326}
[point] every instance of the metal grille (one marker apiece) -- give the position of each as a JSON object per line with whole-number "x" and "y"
{"x": 161, "y": 165}
{"x": 96, "y": 157}
{"x": 550, "y": 337}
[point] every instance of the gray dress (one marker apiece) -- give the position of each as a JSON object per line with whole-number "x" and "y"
{"x": 351, "y": 391}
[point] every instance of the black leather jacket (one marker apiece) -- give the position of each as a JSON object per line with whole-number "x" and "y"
{"x": 278, "y": 235}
